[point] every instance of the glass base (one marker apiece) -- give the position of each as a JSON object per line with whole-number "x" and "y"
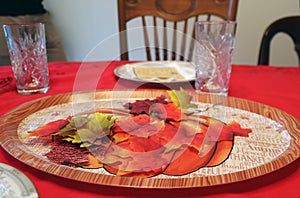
{"x": 33, "y": 91}
{"x": 212, "y": 93}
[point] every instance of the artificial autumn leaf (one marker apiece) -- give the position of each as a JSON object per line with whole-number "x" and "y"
{"x": 71, "y": 154}
{"x": 92, "y": 162}
{"x": 181, "y": 98}
{"x": 148, "y": 162}
{"x": 143, "y": 106}
{"x": 79, "y": 121}
{"x": 65, "y": 153}
{"x": 168, "y": 112}
{"x": 100, "y": 123}
{"x": 185, "y": 136}
{"x": 237, "y": 130}
{"x": 91, "y": 127}
{"x": 131, "y": 123}
{"x": 80, "y": 136}
{"x": 120, "y": 137}
{"x": 172, "y": 147}
{"x": 124, "y": 162}
{"x": 136, "y": 136}
{"x": 220, "y": 131}
{"x": 49, "y": 128}
{"x": 165, "y": 135}
{"x": 74, "y": 123}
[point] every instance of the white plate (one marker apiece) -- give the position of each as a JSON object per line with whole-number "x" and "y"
{"x": 14, "y": 183}
{"x": 185, "y": 69}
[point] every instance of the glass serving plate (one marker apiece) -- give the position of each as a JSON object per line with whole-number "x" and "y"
{"x": 273, "y": 143}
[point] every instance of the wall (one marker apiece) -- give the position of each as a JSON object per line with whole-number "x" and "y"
{"x": 253, "y": 17}
{"x": 84, "y": 25}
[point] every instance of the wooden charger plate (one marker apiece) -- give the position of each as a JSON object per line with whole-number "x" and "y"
{"x": 273, "y": 143}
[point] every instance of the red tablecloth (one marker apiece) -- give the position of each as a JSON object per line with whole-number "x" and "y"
{"x": 275, "y": 86}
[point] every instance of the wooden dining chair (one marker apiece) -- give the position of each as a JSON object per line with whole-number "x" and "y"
{"x": 288, "y": 25}
{"x": 167, "y": 26}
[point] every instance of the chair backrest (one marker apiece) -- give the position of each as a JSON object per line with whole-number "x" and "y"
{"x": 289, "y": 25}
{"x": 169, "y": 24}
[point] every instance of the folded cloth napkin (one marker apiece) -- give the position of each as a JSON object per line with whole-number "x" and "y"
{"x": 6, "y": 84}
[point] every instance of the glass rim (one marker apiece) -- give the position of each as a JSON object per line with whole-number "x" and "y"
{"x": 23, "y": 24}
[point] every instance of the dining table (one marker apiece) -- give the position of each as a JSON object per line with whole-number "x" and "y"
{"x": 275, "y": 86}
